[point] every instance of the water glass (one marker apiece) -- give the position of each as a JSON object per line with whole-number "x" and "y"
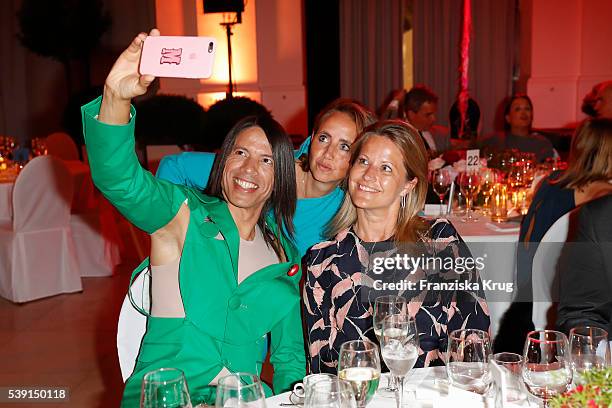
{"x": 240, "y": 390}
{"x": 510, "y": 364}
{"x": 165, "y": 388}
{"x": 385, "y": 306}
{"x": 589, "y": 348}
{"x": 467, "y": 365}
{"x": 546, "y": 367}
{"x": 359, "y": 364}
{"x": 330, "y": 394}
{"x": 302, "y": 389}
{"x": 399, "y": 344}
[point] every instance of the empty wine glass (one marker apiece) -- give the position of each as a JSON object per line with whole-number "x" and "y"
{"x": 359, "y": 364}
{"x": 469, "y": 184}
{"x": 589, "y": 348}
{"x": 467, "y": 366}
{"x": 385, "y": 306}
{"x": 441, "y": 180}
{"x": 488, "y": 178}
{"x": 331, "y": 394}
{"x": 400, "y": 348}
{"x": 546, "y": 367}
{"x": 165, "y": 388}
{"x": 240, "y": 390}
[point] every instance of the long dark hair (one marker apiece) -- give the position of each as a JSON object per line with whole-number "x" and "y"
{"x": 509, "y": 105}
{"x": 284, "y": 194}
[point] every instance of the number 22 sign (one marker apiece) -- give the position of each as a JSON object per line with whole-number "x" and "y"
{"x": 472, "y": 160}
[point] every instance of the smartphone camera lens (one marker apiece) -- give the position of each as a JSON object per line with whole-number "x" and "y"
{"x": 210, "y": 47}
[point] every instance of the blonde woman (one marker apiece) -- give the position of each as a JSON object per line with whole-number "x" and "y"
{"x": 379, "y": 219}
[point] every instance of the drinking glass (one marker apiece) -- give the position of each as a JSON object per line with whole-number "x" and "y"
{"x": 510, "y": 364}
{"x": 301, "y": 390}
{"x": 165, "y": 388}
{"x": 239, "y": 390}
{"x": 467, "y": 366}
{"x": 441, "y": 180}
{"x": 546, "y": 367}
{"x": 589, "y": 348}
{"x": 359, "y": 364}
{"x": 330, "y": 394}
{"x": 385, "y": 306}
{"x": 400, "y": 348}
{"x": 488, "y": 178}
{"x": 469, "y": 184}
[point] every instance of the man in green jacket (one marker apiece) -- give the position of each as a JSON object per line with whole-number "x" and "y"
{"x": 212, "y": 305}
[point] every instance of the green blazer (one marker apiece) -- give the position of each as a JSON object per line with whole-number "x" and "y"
{"x": 225, "y": 324}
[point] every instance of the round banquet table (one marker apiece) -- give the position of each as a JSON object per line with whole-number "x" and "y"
{"x": 429, "y": 385}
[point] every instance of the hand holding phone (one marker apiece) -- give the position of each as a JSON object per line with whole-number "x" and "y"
{"x": 178, "y": 57}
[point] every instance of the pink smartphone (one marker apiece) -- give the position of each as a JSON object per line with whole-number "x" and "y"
{"x": 178, "y": 57}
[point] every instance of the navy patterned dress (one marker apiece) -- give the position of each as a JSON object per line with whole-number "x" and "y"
{"x": 341, "y": 288}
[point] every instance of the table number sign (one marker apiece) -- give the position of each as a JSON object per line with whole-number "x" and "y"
{"x": 472, "y": 160}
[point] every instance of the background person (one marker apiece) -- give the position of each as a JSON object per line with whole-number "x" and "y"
{"x": 598, "y": 102}
{"x": 421, "y": 109}
{"x": 207, "y": 316}
{"x": 518, "y": 134}
{"x": 387, "y": 186}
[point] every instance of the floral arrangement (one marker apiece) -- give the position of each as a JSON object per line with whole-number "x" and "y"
{"x": 595, "y": 393}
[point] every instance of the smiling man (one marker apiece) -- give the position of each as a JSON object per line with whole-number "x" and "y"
{"x": 224, "y": 273}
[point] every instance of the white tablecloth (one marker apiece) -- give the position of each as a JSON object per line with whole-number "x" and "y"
{"x": 431, "y": 390}
{"x": 496, "y": 244}
{"x": 83, "y": 199}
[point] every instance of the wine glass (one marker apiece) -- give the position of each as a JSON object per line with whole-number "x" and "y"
{"x": 240, "y": 390}
{"x": 385, "y": 306}
{"x": 467, "y": 366}
{"x": 546, "y": 368}
{"x": 399, "y": 348}
{"x": 165, "y": 387}
{"x": 441, "y": 180}
{"x": 589, "y": 348}
{"x": 469, "y": 184}
{"x": 488, "y": 178}
{"x": 330, "y": 394}
{"x": 359, "y": 364}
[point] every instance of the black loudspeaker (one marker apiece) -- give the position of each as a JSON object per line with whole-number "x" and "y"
{"x": 223, "y": 6}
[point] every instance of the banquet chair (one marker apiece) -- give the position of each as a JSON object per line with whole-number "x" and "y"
{"x": 132, "y": 324}
{"x": 544, "y": 278}
{"x": 37, "y": 254}
{"x": 61, "y": 145}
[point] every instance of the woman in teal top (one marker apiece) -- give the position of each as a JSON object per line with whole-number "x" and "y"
{"x": 224, "y": 316}
{"x": 321, "y": 166}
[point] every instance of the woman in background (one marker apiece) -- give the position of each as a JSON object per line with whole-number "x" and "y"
{"x": 518, "y": 116}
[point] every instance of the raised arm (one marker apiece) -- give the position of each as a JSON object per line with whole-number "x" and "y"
{"x": 108, "y": 126}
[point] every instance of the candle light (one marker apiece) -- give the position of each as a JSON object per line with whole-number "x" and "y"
{"x": 499, "y": 203}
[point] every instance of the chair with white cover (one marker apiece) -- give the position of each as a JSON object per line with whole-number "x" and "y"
{"x": 544, "y": 278}
{"x": 37, "y": 254}
{"x": 61, "y": 145}
{"x": 132, "y": 324}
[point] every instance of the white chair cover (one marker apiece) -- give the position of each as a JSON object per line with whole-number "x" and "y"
{"x": 37, "y": 255}
{"x": 544, "y": 271}
{"x": 97, "y": 240}
{"x": 132, "y": 324}
{"x": 61, "y": 145}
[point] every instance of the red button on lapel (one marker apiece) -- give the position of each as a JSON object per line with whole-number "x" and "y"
{"x": 293, "y": 270}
